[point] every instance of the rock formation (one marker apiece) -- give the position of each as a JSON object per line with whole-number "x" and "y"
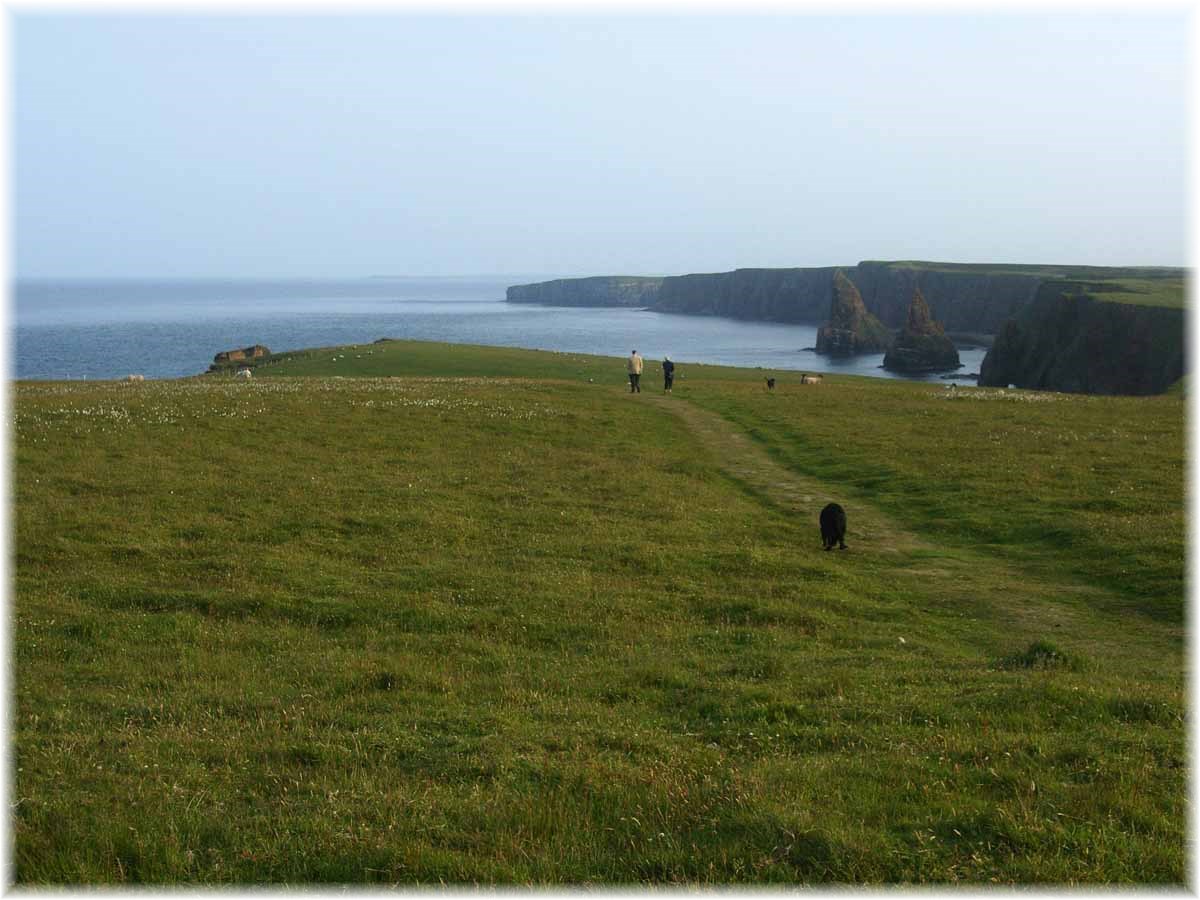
{"x": 1053, "y": 331}
{"x": 851, "y": 328}
{"x": 228, "y": 356}
{"x": 922, "y": 345}
{"x": 968, "y": 299}
{"x": 228, "y": 360}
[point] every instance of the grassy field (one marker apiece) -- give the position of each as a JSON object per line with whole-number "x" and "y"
{"x": 1168, "y": 292}
{"x": 495, "y": 620}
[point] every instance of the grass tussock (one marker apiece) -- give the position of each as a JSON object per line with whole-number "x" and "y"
{"x": 1040, "y": 655}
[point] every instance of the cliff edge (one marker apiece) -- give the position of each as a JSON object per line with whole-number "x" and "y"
{"x": 598, "y": 290}
{"x": 1038, "y": 312}
{"x": 1074, "y": 338}
{"x": 964, "y": 298}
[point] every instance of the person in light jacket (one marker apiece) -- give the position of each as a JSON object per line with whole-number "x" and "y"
{"x": 634, "y": 365}
{"x": 668, "y": 374}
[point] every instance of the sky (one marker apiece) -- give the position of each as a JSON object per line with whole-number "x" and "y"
{"x": 561, "y": 143}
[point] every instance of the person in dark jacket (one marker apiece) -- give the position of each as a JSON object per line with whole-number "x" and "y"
{"x": 668, "y": 374}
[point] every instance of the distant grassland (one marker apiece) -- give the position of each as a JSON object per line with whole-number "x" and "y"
{"x": 1094, "y": 273}
{"x": 1166, "y": 292}
{"x": 473, "y": 615}
{"x": 1140, "y": 285}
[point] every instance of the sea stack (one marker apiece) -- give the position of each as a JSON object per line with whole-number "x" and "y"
{"x": 851, "y": 328}
{"x": 922, "y": 345}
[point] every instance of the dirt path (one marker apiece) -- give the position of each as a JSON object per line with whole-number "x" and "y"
{"x": 746, "y": 461}
{"x": 1035, "y": 606}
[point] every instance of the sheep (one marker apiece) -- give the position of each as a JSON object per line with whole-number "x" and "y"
{"x": 810, "y": 379}
{"x": 135, "y": 377}
{"x": 243, "y": 373}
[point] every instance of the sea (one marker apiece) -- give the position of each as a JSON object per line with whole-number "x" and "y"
{"x": 76, "y": 329}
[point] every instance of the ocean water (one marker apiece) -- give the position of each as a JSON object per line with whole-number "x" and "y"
{"x": 167, "y": 329}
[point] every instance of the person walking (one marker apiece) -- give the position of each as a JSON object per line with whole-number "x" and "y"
{"x": 668, "y": 374}
{"x": 634, "y": 365}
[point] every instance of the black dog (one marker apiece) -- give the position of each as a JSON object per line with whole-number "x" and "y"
{"x": 770, "y": 384}
{"x": 833, "y": 526}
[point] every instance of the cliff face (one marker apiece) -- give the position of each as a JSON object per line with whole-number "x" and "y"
{"x": 966, "y": 301}
{"x": 1053, "y": 331}
{"x": 961, "y": 300}
{"x": 1069, "y": 339}
{"x": 772, "y": 295}
{"x": 601, "y": 290}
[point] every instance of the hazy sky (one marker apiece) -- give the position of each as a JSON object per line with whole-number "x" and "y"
{"x": 148, "y": 144}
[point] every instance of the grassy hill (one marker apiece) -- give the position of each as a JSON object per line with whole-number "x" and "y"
{"x": 413, "y": 613}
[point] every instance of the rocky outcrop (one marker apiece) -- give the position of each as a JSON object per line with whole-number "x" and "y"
{"x": 229, "y": 356}
{"x": 228, "y": 360}
{"x": 851, "y": 329}
{"x": 922, "y": 345}
{"x": 600, "y": 290}
{"x": 1071, "y": 339}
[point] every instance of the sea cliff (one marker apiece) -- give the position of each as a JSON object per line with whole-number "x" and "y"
{"x": 975, "y": 299}
{"x": 1094, "y": 329}
{"x": 773, "y": 295}
{"x": 1072, "y": 338}
{"x": 963, "y": 299}
{"x": 598, "y": 290}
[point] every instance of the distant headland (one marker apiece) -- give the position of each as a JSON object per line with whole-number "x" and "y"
{"x": 1088, "y": 329}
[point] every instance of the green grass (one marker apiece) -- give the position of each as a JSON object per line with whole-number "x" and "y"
{"x": 389, "y": 358}
{"x": 1166, "y": 292}
{"x": 1139, "y": 285}
{"x": 1090, "y": 485}
{"x": 1103, "y": 273}
{"x": 529, "y": 630}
